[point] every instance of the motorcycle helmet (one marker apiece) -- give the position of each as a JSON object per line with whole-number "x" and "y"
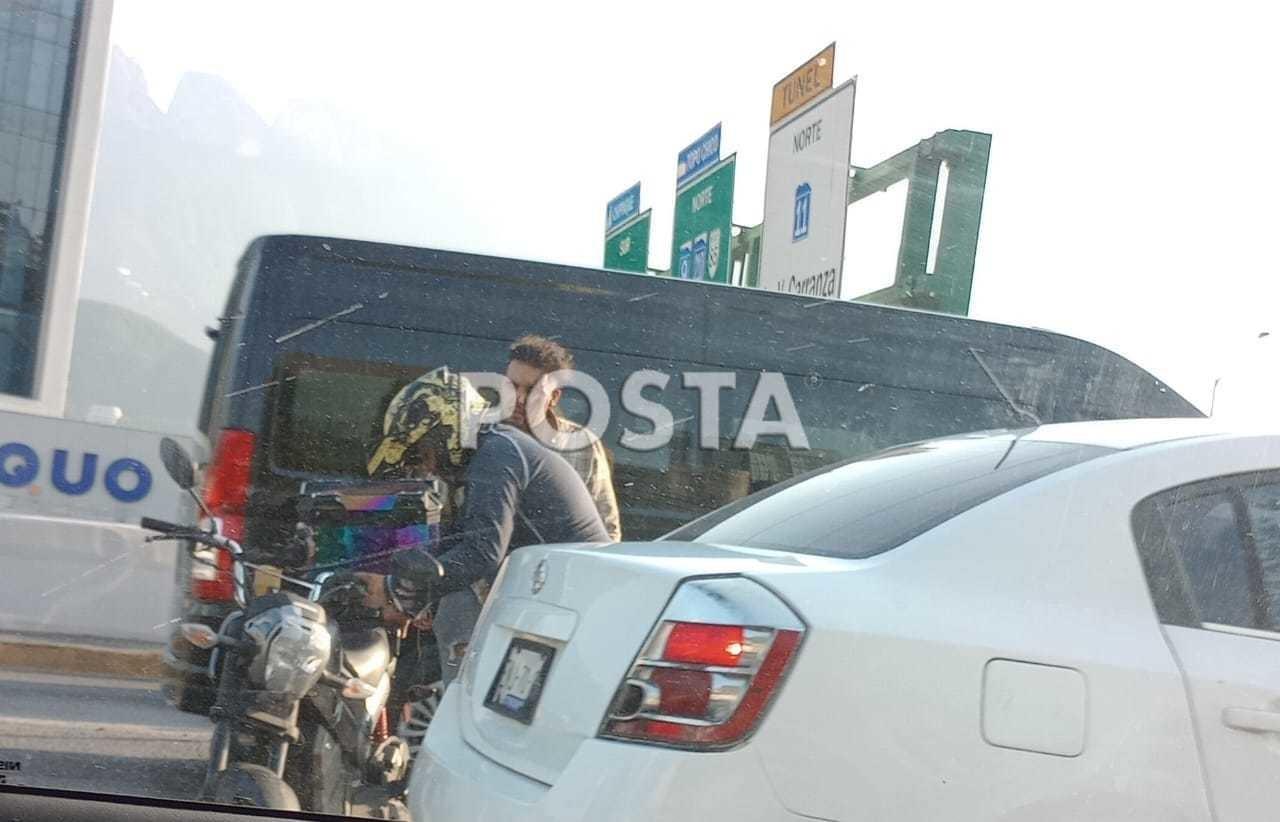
{"x": 436, "y": 405}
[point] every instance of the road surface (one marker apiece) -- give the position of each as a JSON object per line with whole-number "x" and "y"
{"x": 99, "y": 735}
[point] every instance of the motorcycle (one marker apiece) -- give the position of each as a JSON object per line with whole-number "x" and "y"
{"x": 361, "y": 526}
{"x": 303, "y": 677}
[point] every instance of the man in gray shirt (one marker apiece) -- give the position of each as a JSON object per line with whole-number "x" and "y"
{"x": 516, "y": 493}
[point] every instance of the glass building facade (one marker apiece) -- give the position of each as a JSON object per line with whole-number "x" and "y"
{"x": 38, "y": 45}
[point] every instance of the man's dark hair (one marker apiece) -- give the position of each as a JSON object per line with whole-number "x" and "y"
{"x": 543, "y": 354}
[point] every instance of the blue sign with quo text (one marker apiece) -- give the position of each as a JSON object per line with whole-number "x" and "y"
{"x": 126, "y": 479}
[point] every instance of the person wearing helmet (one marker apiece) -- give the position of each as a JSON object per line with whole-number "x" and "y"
{"x": 515, "y": 492}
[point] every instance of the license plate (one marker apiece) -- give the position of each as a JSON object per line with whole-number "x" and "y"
{"x": 518, "y": 685}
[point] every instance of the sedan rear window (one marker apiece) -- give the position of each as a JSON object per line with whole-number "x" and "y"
{"x": 866, "y": 506}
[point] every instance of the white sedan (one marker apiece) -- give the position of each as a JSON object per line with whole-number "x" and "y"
{"x": 1074, "y": 622}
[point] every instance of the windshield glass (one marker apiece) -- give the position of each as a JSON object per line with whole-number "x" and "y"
{"x": 862, "y": 508}
{"x": 321, "y": 321}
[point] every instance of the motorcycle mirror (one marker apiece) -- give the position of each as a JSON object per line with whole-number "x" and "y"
{"x": 177, "y": 464}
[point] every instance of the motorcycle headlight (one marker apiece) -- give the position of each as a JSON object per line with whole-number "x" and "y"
{"x": 297, "y": 648}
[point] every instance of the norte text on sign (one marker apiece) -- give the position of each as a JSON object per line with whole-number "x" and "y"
{"x": 702, "y": 232}
{"x": 807, "y": 136}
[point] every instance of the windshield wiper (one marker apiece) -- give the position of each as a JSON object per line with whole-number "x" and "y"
{"x": 1008, "y": 398}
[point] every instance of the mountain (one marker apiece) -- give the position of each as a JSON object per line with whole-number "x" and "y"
{"x": 179, "y": 193}
{"x": 208, "y": 111}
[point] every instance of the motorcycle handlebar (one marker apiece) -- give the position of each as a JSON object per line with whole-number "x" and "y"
{"x": 160, "y": 526}
{"x": 171, "y": 530}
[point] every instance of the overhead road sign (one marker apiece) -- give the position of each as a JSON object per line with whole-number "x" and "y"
{"x": 702, "y": 230}
{"x": 622, "y": 208}
{"x": 698, "y": 156}
{"x": 627, "y": 247}
{"x": 806, "y": 197}
{"x": 803, "y": 85}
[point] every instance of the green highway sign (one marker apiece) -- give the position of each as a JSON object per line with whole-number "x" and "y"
{"x": 626, "y": 248}
{"x": 701, "y": 236}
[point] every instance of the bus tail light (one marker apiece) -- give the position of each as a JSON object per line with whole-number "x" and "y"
{"x": 226, "y": 494}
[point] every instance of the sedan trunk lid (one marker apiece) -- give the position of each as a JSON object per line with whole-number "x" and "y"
{"x": 570, "y": 620}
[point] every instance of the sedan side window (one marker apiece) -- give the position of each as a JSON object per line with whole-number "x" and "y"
{"x": 1263, "y": 504}
{"x": 1208, "y": 539}
{"x": 1212, "y": 552}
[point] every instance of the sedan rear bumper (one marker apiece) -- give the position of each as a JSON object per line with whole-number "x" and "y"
{"x": 604, "y": 780}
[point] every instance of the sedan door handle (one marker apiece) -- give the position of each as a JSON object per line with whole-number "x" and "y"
{"x": 1250, "y": 719}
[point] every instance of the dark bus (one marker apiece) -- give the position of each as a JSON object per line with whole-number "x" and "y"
{"x": 319, "y": 333}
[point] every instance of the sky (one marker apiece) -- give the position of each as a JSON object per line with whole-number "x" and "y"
{"x": 1130, "y": 197}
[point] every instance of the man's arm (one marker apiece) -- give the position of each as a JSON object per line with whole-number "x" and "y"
{"x": 483, "y": 536}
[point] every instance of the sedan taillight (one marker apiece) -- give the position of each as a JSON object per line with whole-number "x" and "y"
{"x": 704, "y": 684}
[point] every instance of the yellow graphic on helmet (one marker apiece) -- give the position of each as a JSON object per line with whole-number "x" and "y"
{"x": 437, "y": 403}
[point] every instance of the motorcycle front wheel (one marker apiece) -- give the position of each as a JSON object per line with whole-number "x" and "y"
{"x": 253, "y": 786}
{"x": 316, "y": 770}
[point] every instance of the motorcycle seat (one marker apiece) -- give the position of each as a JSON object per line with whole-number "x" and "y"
{"x": 366, "y": 653}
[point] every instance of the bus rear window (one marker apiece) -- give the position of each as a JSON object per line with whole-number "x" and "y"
{"x": 328, "y": 419}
